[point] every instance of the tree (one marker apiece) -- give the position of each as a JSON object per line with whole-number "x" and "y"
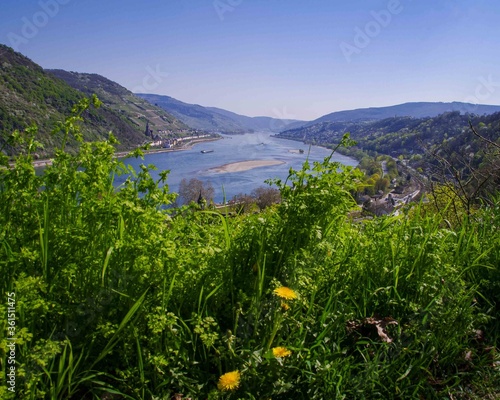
{"x": 196, "y": 191}
{"x": 266, "y": 196}
{"x": 466, "y": 171}
{"x": 243, "y": 203}
{"x": 382, "y": 184}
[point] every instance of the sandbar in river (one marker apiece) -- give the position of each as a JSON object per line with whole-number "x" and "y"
{"x": 245, "y": 165}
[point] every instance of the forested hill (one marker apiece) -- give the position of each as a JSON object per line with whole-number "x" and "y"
{"x": 445, "y": 143}
{"x": 400, "y": 135}
{"x": 29, "y": 95}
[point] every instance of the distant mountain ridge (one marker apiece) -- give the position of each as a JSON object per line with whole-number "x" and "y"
{"x": 216, "y": 119}
{"x": 415, "y": 110}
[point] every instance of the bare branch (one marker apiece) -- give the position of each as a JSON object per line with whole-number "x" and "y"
{"x": 482, "y": 137}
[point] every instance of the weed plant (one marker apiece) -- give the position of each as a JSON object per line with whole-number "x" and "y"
{"x": 120, "y": 297}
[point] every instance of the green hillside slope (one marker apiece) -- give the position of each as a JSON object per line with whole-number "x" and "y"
{"x": 121, "y": 100}
{"x": 400, "y": 135}
{"x": 29, "y": 95}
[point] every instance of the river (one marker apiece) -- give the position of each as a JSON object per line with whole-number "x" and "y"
{"x": 192, "y": 163}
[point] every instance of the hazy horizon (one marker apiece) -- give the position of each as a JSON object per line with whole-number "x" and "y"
{"x": 260, "y": 58}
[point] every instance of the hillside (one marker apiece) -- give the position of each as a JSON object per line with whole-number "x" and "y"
{"x": 216, "y": 119}
{"x": 29, "y": 95}
{"x": 442, "y": 146}
{"x": 398, "y": 135}
{"x": 122, "y": 101}
{"x": 415, "y": 110}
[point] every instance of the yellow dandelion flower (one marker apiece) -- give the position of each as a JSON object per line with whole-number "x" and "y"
{"x": 285, "y": 293}
{"x": 229, "y": 381}
{"x": 280, "y": 352}
{"x": 285, "y": 306}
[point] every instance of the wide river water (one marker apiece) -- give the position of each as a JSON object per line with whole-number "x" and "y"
{"x": 192, "y": 163}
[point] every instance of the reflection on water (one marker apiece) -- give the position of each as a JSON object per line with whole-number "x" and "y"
{"x": 193, "y": 163}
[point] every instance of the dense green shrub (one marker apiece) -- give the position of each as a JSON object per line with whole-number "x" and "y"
{"x": 119, "y": 296}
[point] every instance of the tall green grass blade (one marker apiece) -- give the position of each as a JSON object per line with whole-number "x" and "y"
{"x": 44, "y": 240}
{"x": 116, "y": 336}
{"x": 140, "y": 365}
{"x": 225, "y": 226}
{"x": 106, "y": 263}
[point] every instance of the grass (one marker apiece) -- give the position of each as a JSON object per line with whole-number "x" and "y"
{"x": 118, "y": 296}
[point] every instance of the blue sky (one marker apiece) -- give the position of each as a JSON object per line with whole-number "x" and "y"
{"x": 284, "y": 59}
